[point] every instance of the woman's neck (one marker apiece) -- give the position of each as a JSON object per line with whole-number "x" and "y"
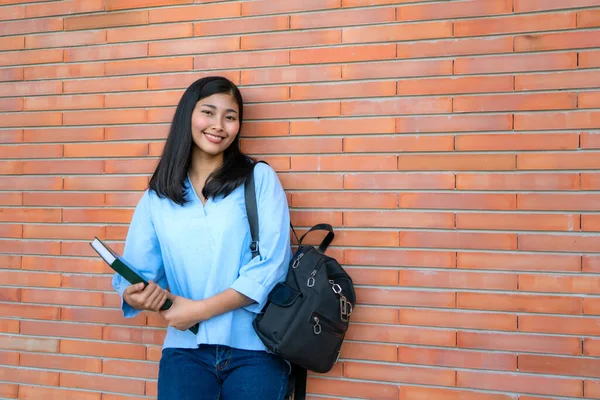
{"x": 203, "y": 165}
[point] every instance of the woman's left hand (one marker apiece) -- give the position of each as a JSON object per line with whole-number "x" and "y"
{"x": 184, "y": 313}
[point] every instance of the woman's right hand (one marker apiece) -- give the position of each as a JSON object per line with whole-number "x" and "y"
{"x": 150, "y": 298}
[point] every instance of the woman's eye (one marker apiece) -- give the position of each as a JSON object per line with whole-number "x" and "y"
{"x": 231, "y": 118}
{"x": 207, "y": 112}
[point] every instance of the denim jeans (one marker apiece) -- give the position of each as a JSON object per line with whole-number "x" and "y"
{"x": 221, "y": 373}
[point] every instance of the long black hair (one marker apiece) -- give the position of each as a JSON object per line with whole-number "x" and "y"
{"x": 171, "y": 172}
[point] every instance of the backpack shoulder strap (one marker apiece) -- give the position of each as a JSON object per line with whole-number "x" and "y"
{"x": 252, "y": 210}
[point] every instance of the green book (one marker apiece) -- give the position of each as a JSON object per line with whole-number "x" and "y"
{"x": 121, "y": 267}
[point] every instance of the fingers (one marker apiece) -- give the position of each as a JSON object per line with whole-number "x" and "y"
{"x": 159, "y": 301}
{"x": 134, "y": 288}
{"x": 153, "y": 293}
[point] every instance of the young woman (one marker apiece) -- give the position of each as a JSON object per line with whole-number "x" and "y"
{"x": 190, "y": 237}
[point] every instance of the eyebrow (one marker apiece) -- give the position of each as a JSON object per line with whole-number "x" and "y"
{"x": 214, "y": 108}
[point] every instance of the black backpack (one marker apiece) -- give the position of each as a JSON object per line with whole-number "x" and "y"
{"x": 306, "y": 316}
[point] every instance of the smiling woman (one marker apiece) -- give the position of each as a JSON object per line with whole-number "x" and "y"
{"x": 190, "y": 238}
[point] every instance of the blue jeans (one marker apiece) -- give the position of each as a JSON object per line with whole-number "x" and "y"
{"x": 221, "y": 373}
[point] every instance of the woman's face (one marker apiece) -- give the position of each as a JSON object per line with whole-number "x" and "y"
{"x": 215, "y": 123}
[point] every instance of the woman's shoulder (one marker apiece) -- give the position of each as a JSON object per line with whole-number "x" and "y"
{"x": 263, "y": 171}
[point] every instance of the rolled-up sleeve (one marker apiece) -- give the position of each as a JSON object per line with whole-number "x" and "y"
{"x": 142, "y": 252}
{"x": 258, "y": 277}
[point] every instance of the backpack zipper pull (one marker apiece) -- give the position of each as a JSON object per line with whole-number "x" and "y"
{"x": 296, "y": 262}
{"x": 317, "y": 327}
{"x": 311, "y": 280}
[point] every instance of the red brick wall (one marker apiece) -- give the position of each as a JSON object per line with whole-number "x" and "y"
{"x": 452, "y": 144}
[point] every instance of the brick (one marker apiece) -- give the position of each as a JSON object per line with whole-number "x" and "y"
{"x": 135, "y": 166}
{"x": 458, "y": 279}
{"x": 114, "y": 19}
{"x": 88, "y": 282}
{"x": 403, "y": 143}
{"x": 359, "y": 3}
{"x": 462, "y": 240}
{"x": 193, "y": 46}
{"x": 456, "y": 10}
{"x": 557, "y": 80}
{"x": 112, "y": 5}
{"x": 11, "y": 262}
{"x": 576, "y": 243}
{"x": 588, "y": 18}
{"x": 134, "y": 335}
{"x": 91, "y": 215}
{"x": 367, "y": 351}
{"x": 559, "y": 365}
{"x": 515, "y": 141}
{"x": 401, "y": 257}
{"x": 453, "y": 123}
{"x": 342, "y": 126}
{"x": 521, "y": 181}
{"x": 378, "y": 315}
{"x": 397, "y": 32}
{"x": 397, "y": 69}
{"x": 29, "y": 215}
{"x": 591, "y": 306}
{"x": 590, "y": 223}
{"x": 13, "y": 12}
{"x": 106, "y": 150}
{"x": 291, "y": 145}
{"x": 589, "y": 59}
{"x": 106, "y": 183}
{"x": 30, "y": 89}
{"x": 556, "y": 41}
{"x": 343, "y": 54}
{"x": 327, "y": 19}
{"x": 63, "y": 265}
{"x": 265, "y": 94}
{"x": 132, "y": 131}
{"x": 23, "y": 375}
{"x": 249, "y": 25}
{"x": 61, "y": 329}
{"x": 9, "y": 357}
{"x": 543, "y": 5}
{"x": 63, "y": 102}
{"x": 393, "y": 219}
{"x": 103, "y": 383}
{"x": 461, "y": 201}
{"x": 158, "y": 115}
{"x": 518, "y": 221}
{"x": 405, "y": 298}
{"x": 343, "y": 163}
{"x": 141, "y": 33}
{"x": 455, "y": 47}
{"x": 344, "y": 200}
{"x": 515, "y": 63}
{"x": 103, "y": 316}
{"x": 45, "y": 231}
{"x": 404, "y": 374}
{"x": 63, "y": 167}
{"x": 149, "y": 66}
{"x": 399, "y": 181}
{"x": 31, "y": 183}
{"x": 65, "y": 7}
{"x": 11, "y": 74}
{"x": 97, "y": 117}
{"x": 106, "y": 52}
{"x": 21, "y": 278}
{"x": 63, "y": 199}
{"x": 130, "y": 369}
{"x": 588, "y": 100}
{"x": 61, "y": 297}
{"x": 456, "y": 162}
{"x": 183, "y": 80}
{"x": 294, "y": 40}
{"x": 375, "y": 277}
{"x": 514, "y": 24}
{"x": 397, "y": 106}
{"x": 457, "y": 358}
{"x": 11, "y": 104}
{"x": 12, "y": 43}
{"x": 272, "y": 7}
{"x": 516, "y": 102}
{"x": 65, "y": 39}
{"x": 560, "y": 202}
{"x": 29, "y": 311}
{"x": 28, "y": 247}
{"x": 33, "y": 392}
{"x": 374, "y": 391}
{"x": 233, "y": 60}
{"x": 105, "y": 85}
{"x": 591, "y": 347}
{"x": 458, "y": 319}
{"x": 592, "y": 389}
{"x": 422, "y": 393}
{"x": 31, "y": 26}
{"x": 590, "y": 264}
{"x": 308, "y": 218}
{"x": 559, "y": 284}
{"x": 519, "y": 303}
{"x": 11, "y": 136}
{"x": 533, "y": 161}
{"x": 29, "y": 344}
{"x": 291, "y": 75}
{"x": 559, "y": 325}
{"x": 520, "y": 383}
{"x": 291, "y": 110}
{"x": 402, "y": 334}
{"x": 98, "y": 349}
{"x": 557, "y": 120}
{"x": 463, "y": 84}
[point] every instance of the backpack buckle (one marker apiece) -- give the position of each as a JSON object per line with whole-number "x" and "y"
{"x": 254, "y": 247}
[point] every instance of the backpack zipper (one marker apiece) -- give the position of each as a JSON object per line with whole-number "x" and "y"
{"x": 319, "y": 321}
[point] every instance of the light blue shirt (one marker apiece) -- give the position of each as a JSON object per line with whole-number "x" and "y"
{"x": 201, "y": 250}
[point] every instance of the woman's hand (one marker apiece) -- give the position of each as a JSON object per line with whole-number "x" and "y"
{"x": 150, "y": 298}
{"x": 184, "y": 313}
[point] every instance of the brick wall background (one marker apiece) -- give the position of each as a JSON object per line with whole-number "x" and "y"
{"x": 452, "y": 144}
